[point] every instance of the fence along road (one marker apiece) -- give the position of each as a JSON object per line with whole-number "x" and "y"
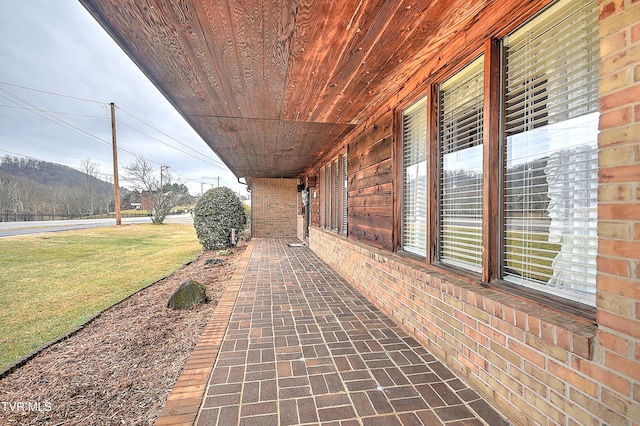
{"x": 9, "y": 229}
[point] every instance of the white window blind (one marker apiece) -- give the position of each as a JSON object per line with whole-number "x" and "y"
{"x": 328, "y": 197}
{"x": 336, "y": 194}
{"x": 323, "y": 197}
{"x": 414, "y": 157}
{"x": 461, "y": 106}
{"x": 551, "y": 157}
{"x": 345, "y": 178}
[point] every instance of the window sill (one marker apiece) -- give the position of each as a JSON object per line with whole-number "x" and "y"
{"x": 552, "y": 326}
{"x": 563, "y": 305}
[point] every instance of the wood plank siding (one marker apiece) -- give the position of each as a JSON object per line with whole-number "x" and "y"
{"x": 370, "y": 183}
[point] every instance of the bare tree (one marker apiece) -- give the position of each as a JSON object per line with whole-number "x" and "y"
{"x": 56, "y": 198}
{"x": 91, "y": 171}
{"x": 151, "y": 183}
{"x": 5, "y": 184}
{"x": 22, "y": 194}
{"x": 75, "y": 201}
{"x": 108, "y": 199}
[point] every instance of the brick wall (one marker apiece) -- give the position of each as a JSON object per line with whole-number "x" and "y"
{"x": 274, "y": 208}
{"x": 537, "y": 365}
{"x": 616, "y": 362}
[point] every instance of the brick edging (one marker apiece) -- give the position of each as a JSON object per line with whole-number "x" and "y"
{"x": 187, "y": 394}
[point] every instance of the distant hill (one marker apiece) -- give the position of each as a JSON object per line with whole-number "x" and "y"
{"x": 34, "y": 186}
{"x": 48, "y": 174}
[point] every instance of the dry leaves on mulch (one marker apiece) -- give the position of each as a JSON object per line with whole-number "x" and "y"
{"x": 120, "y": 368}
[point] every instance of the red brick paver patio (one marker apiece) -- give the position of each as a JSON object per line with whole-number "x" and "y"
{"x": 301, "y": 347}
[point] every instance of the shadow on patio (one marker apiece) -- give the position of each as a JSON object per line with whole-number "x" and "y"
{"x": 291, "y": 343}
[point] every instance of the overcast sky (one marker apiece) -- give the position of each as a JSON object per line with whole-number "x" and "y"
{"x": 60, "y": 71}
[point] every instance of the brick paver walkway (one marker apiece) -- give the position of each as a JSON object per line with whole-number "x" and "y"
{"x": 302, "y": 347}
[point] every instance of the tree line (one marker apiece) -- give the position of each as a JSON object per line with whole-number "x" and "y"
{"x": 29, "y": 186}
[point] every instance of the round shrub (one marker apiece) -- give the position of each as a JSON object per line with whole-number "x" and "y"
{"x": 216, "y": 213}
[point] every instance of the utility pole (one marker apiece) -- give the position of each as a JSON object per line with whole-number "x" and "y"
{"x": 217, "y": 178}
{"x": 116, "y": 184}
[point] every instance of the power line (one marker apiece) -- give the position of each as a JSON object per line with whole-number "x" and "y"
{"x": 107, "y": 176}
{"x": 57, "y": 152}
{"x": 53, "y": 112}
{"x": 51, "y": 93}
{"x": 170, "y": 146}
{"x": 56, "y": 120}
{"x": 47, "y": 116}
{"x": 40, "y": 146}
{"x": 23, "y": 104}
{"x": 174, "y": 139}
{"x": 37, "y": 110}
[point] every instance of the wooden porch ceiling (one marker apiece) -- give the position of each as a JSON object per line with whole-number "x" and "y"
{"x": 271, "y": 85}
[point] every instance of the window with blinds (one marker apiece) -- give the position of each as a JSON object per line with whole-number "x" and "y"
{"x": 551, "y": 158}
{"x": 461, "y": 105}
{"x": 323, "y": 197}
{"x": 414, "y": 159}
{"x": 333, "y": 187}
{"x": 345, "y": 177}
{"x": 336, "y": 194}
{"x": 328, "y": 196}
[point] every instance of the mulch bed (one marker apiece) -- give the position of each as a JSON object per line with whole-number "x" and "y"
{"x": 119, "y": 368}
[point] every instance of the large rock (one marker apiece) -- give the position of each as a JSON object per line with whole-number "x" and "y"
{"x": 188, "y": 294}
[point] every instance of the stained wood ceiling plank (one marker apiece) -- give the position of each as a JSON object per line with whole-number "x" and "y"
{"x": 229, "y": 137}
{"x": 308, "y": 141}
{"x": 279, "y": 16}
{"x": 223, "y": 138}
{"x": 291, "y": 146}
{"x": 317, "y": 46}
{"x": 211, "y": 97}
{"x": 233, "y": 35}
{"x": 351, "y": 73}
{"x": 242, "y": 131}
{"x": 269, "y": 135}
{"x": 178, "y": 74}
{"x": 349, "y": 31}
{"x": 409, "y": 31}
{"x": 445, "y": 29}
{"x": 224, "y": 143}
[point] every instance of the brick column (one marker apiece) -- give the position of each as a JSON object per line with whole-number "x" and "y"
{"x": 274, "y": 208}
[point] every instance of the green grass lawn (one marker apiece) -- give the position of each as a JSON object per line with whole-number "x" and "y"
{"x": 531, "y": 255}
{"x": 51, "y": 283}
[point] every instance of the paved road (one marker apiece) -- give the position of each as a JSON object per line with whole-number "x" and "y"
{"x": 8, "y": 229}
